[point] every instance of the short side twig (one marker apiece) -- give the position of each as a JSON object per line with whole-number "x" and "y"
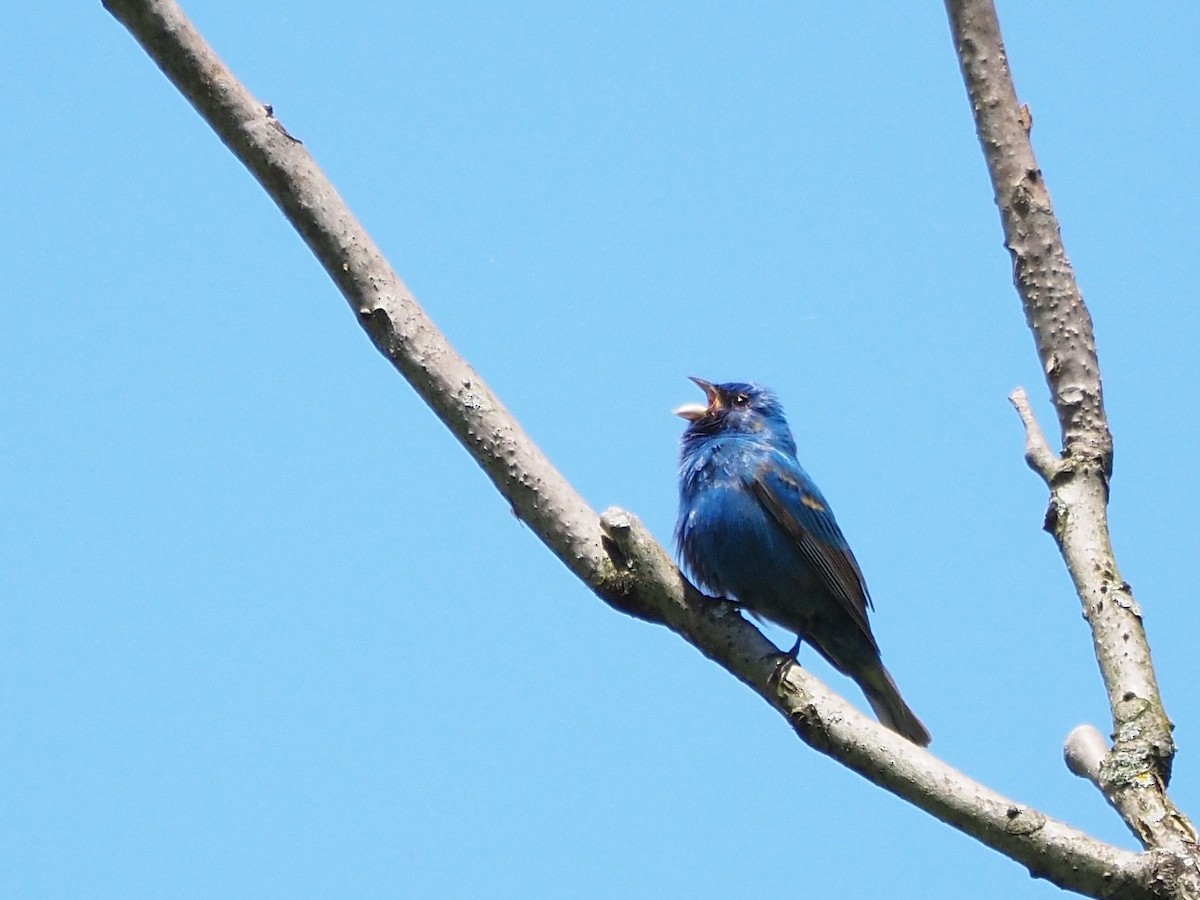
{"x": 1038, "y": 454}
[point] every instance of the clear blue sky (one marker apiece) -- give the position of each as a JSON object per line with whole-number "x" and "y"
{"x": 268, "y": 632}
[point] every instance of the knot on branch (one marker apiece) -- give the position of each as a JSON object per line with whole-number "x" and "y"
{"x": 640, "y": 568}
{"x": 1144, "y": 749}
{"x": 378, "y": 324}
{"x": 804, "y": 717}
{"x": 1022, "y": 820}
{"x": 1091, "y": 451}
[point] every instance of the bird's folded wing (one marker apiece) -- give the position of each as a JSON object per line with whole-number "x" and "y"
{"x": 801, "y": 512}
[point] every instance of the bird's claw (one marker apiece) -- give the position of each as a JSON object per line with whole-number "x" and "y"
{"x": 785, "y": 659}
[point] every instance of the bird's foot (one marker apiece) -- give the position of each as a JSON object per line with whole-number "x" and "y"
{"x": 785, "y": 659}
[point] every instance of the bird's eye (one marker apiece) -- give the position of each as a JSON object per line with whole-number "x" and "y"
{"x": 740, "y": 400}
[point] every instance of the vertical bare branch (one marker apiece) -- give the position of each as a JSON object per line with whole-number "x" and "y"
{"x": 1135, "y": 773}
{"x": 1054, "y": 309}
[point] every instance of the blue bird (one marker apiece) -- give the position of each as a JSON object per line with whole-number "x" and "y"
{"x": 754, "y": 527}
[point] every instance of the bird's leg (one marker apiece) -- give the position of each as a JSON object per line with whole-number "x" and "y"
{"x": 785, "y": 660}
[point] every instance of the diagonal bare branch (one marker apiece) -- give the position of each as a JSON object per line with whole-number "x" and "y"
{"x": 1134, "y": 775}
{"x": 1048, "y": 848}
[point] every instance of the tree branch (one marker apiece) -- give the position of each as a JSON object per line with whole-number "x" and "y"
{"x": 1134, "y": 775}
{"x": 613, "y": 554}
{"x": 1038, "y": 454}
{"x": 1050, "y": 849}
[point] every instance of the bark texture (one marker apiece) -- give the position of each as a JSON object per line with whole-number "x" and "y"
{"x": 1134, "y": 774}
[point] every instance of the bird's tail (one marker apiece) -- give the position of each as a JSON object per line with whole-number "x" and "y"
{"x": 889, "y": 706}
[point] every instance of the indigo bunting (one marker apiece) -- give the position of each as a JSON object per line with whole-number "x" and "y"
{"x": 754, "y": 527}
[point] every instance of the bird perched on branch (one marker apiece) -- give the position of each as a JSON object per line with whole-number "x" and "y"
{"x": 754, "y": 527}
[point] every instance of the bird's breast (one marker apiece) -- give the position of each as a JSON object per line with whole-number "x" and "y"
{"x": 730, "y": 543}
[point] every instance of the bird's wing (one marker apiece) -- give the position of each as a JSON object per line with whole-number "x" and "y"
{"x": 794, "y": 502}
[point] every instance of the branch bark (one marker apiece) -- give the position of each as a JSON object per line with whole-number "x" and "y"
{"x": 1049, "y": 849}
{"x": 1135, "y": 772}
{"x": 613, "y": 554}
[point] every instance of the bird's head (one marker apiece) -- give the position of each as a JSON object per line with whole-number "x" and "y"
{"x": 736, "y": 408}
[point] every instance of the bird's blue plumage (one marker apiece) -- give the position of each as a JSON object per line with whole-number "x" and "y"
{"x": 755, "y": 528}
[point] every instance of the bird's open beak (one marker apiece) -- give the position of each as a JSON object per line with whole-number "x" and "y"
{"x": 693, "y": 411}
